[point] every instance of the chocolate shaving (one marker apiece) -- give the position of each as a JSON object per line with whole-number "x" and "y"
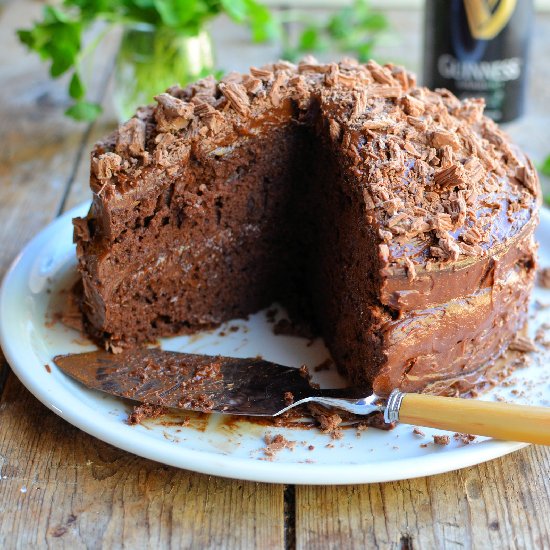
{"x": 237, "y": 97}
{"x": 475, "y": 170}
{"x": 450, "y": 246}
{"x": 81, "y": 229}
{"x": 380, "y": 75}
{"x": 411, "y": 270}
{"x": 275, "y": 93}
{"x": 131, "y": 137}
{"x": 360, "y": 103}
{"x": 253, "y": 85}
{"x": 412, "y": 106}
{"x": 172, "y": 113}
{"x": 454, "y": 175}
{"x": 262, "y": 74}
{"x": 105, "y": 165}
{"x": 379, "y": 124}
{"x": 444, "y": 137}
{"x": 334, "y": 130}
{"x": 384, "y": 91}
{"x": 527, "y": 175}
{"x": 332, "y": 75}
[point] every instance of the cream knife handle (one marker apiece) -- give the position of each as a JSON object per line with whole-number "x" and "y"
{"x": 499, "y": 420}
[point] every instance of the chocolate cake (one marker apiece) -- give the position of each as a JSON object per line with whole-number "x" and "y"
{"x": 398, "y": 220}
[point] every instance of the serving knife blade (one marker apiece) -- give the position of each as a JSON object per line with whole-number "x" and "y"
{"x": 255, "y": 387}
{"x": 229, "y": 385}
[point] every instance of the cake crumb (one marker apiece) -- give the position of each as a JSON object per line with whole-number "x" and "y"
{"x": 441, "y": 439}
{"x": 523, "y": 344}
{"x": 275, "y": 444}
{"x": 466, "y": 439}
{"x": 329, "y": 421}
{"x": 418, "y": 431}
{"x": 544, "y": 277}
{"x": 289, "y": 398}
{"x": 304, "y": 372}
{"x": 144, "y": 411}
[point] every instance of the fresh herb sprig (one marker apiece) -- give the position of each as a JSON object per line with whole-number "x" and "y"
{"x": 354, "y": 29}
{"x": 58, "y": 37}
{"x": 544, "y": 169}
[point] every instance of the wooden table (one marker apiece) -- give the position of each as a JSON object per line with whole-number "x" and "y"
{"x": 61, "y": 488}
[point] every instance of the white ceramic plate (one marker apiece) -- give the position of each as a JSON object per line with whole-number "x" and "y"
{"x": 214, "y": 444}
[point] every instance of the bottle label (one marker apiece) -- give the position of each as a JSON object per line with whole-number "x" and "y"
{"x": 478, "y": 48}
{"x": 468, "y": 72}
{"x": 486, "y": 18}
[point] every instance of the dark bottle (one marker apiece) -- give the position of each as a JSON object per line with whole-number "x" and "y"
{"x": 479, "y": 48}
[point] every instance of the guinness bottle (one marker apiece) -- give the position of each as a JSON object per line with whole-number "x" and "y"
{"x": 479, "y": 48}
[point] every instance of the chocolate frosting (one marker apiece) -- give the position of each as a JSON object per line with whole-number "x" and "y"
{"x": 450, "y": 202}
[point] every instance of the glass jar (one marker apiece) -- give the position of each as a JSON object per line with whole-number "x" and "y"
{"x": 151, "y": 59}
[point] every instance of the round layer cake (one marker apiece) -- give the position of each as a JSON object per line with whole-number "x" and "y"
{"x": 397, "y": 220}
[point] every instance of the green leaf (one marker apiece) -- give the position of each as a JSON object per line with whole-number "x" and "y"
{"x": 364, "y": 51}
{"x": 309, "y": 39}
{"x": 236, "y": 9}
{"x": 339, "y": 25}
{"x": 291, "y": 54}
{"x": 25, "y": 37}
{"x": 76, "y": 87}
{"x": 145, "y": 3}
{"x": 352, "y": 29}
{"x": 187, "y": 13}
{"x": 84, "y": 111}
{"x": 375, "y": 22}
{"x": 544, "y": 168}
{"x": 263, "y": 25}
{"x": 54, "y": 15}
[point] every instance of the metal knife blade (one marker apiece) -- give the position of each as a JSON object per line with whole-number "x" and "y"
{"x": 229, "y": 385}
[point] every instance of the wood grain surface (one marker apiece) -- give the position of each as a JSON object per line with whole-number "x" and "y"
{"x": 60, "y": 488}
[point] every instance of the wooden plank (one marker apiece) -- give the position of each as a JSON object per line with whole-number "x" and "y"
{"x": 206, "y": 505}
{"x": 504, "y": 503}
{"x": 39, "y": 144}
{"x": 61, "y": 487}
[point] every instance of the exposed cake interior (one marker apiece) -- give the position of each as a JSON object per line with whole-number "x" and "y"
{"x": 398, "y": 221}
{"x": 270, "y": 219}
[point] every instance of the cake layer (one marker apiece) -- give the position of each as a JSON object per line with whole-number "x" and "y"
{"x": 453, "y": 341}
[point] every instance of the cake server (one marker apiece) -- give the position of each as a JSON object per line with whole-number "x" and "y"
{"x": 256, "y": 387}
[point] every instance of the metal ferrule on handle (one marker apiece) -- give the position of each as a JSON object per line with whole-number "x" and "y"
{"x": 391, "y": 412}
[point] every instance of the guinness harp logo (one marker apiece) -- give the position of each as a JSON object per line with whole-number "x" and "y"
{"x": 486, "y": 18}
